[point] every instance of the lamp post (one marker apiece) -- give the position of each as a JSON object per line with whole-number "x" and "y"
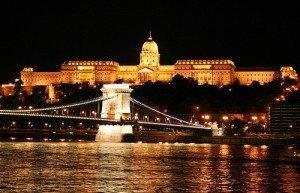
{"x": 93, "y": 114}
{"x": 206, "y": 117}
{"x": 146, "y": 118}
{"x": 254, "y": 118}
{"x": 136, "y": 116}
{"x": 167, "y": 120}
{"x": 13, "y": 124}
{"x": 192, "y": 118}
{"x": 225, "y": 119}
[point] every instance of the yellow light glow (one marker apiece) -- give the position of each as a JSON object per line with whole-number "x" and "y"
{"x": 254, "y": 118}
{"x": 86, "y": 67}
{"x": 263, "y": 146}
{"x": 225, "y": 118}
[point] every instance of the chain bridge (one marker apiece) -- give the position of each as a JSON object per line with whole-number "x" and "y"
{"x": 113, "y": 114}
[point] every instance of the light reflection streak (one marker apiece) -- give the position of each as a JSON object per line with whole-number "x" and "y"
{"x": 118, "y": 167}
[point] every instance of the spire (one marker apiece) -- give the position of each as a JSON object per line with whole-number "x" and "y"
{"x": 150, "y": 37}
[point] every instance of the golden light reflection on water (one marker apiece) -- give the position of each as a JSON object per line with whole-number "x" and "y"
{"x": 142, "y": 167}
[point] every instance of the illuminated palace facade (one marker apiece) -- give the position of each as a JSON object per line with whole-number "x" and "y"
{"x": 214, "y": 72}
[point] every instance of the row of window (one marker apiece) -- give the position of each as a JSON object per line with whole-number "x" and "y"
{"x": 254, "y": 74}
{"x": 204, "y": 62}
{"x": 216, "y": 78}
{"x": 249, "y": 80}
{"x": 91, "y": 63}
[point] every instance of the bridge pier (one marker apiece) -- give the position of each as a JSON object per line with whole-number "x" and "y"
{"x": 113, "y": 133}
{"x": 117, "y": 108}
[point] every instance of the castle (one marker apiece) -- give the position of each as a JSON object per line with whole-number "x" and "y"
{"x": 215, "y": 71}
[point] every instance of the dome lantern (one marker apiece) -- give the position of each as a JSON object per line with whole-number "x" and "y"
{"x": 150, "y": 45}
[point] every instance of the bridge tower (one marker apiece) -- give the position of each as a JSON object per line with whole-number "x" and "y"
{"x": 116, "y": 108}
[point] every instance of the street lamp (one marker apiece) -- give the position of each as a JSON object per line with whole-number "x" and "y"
{"x": 145, "y": 118}
{"x": 192, "y": 118}
{"x": 62, "y": 125}
{"x": 13, "y": 124}
{"x": 136, "y": 116}
{"x": 80, "y": 125}
{"x": 254, "y": 118}
{"x": 206, "y": 118}
{"x": 167, "y": 120}
{"x": 157, "y": 119}
{"x": 225, "y": 119}
{"x": 65, "y": 112}
{"x": 197, "y": 109}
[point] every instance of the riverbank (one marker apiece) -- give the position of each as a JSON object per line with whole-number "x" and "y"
{"x": 148, "y": 137}
{"x": 264, "y": 139}
{"x": 46, "y": 135}
{"x": 269, "y": 140}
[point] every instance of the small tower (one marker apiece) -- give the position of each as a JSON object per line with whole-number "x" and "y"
{"x": 118, "y": 108}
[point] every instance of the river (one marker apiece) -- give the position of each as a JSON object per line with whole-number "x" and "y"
{"x": 144, "y": 167}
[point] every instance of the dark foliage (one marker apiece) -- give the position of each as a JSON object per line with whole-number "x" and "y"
{"x": 181, "y": 94}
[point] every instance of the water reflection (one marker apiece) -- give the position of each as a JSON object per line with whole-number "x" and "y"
{"x": 139, "y": 167}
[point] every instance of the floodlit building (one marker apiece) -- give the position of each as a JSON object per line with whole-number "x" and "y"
{"x": 246, "y": 75}
{"x": 214, "y": 72}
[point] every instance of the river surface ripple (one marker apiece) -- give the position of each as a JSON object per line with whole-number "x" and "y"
{"x": 142, "y": 167}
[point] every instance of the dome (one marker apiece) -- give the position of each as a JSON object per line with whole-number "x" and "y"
{"x": 150, "y": 45}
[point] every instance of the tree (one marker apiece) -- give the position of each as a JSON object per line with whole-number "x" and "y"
{"x": 256, "y": 128}
{"x": 119, "y": 81}
{"x": 287, "y": 82}
{"x": 236, "y": 82}
{"x": 255, "y": 83}
{"x": 236, "y": 126}
{"x": 18, "y": 87}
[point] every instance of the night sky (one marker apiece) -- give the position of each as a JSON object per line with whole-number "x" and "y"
{"x": 43, "y": 34}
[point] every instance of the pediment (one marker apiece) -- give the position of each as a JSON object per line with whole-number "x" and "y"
{"x": 145, "y": 70}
